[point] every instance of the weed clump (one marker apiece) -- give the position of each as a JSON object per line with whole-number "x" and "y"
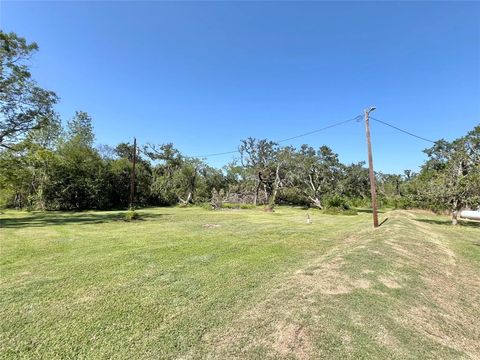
{"x": 338, "y": 205}
{"x": 131, "y": 215}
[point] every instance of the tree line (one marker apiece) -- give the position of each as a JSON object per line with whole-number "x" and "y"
{"x": 46, "y": 165}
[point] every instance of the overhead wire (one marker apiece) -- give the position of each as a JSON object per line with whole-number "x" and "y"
{"x": 356, "y": 118}
{"x": 319, "y": 130}
{"x": 215, "y": 154}
{"x": 287, "y": 139}
{"x": 403, "y": 131}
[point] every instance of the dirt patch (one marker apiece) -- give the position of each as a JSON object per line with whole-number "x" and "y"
{"x": 385, "y": 338}
{"x": 389, "y": 282}
{"x": 291, "y": 340}
{"x": 328, "y": 278}
{"x": 361, "y": 284}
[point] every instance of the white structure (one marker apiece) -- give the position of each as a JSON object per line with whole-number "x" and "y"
{"x": 470, "y": 214}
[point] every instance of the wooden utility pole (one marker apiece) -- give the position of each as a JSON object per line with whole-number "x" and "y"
{"x": 373, "y": 187}
{"x": 132, "y": 179}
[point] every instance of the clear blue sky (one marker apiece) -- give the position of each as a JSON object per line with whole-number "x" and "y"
{"x": 205, "y": 75}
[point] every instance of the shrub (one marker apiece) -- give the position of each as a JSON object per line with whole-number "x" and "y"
{"x": 401, "y": 203}
{"x": 338, "y": 205}
{"x": 237, "y": 206}
{"x": 359, "y": 202}
{"x": 206, "y": 206}
{"x": 131, "y": 215}
{"x": 292, "y": 196}
{"x": 336, "y": 202}
{"x": 247, "y": 206}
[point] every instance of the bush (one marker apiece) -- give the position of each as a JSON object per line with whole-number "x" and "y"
{"x": 247, "y": 206}
{"x": 401, "y": 203}
{"x": 360, "y": 202}
{"x": 292, "y": 196}
{"x": 206, "y": 206}
{"x": 237, "y": 206}
{"x": 131, "y": 215}
{"x": 338, "y": 205}
{"x": 336, "y": 202}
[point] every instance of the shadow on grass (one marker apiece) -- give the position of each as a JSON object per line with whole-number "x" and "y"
{"x": 474, "y": 224}
{"x": 74, "y": 218}
{"x": 383, "y": 222}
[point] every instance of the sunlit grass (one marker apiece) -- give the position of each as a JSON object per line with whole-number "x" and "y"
{"x": 196, "y": 283}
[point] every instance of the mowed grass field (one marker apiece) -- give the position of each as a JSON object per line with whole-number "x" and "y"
{"x": 188, "y": 283}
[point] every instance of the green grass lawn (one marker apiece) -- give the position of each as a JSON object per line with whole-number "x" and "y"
{"x": 259, "y": 285}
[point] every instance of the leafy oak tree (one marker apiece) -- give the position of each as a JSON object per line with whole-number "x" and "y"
{"x": 23, "y": 104}
{"x": 451, "y": 176}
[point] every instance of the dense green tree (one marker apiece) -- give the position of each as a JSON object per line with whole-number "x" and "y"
{"x": 259, "y": 158}
{"x": 317, "y": 173}
{"x": 46, "y": 166}
{"x": 23, "y": 104}
{"x": 26, "y": 169}
{"x": 80, "y": 130}
{"x": 168, "y": 161}
{"x": 77, "y": 176}
{"x": 355, "y": 183}
{"x": 450, "y": 178}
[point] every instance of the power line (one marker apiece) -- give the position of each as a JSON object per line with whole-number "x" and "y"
{"x": 404, "y": 131}
{"x": 215, "y": 154}
{"x": 322, "y": 129}
{"x": 287, "y": 139}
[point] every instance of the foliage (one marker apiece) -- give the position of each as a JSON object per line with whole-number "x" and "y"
{"x": 24, "y": 106}
{"x": 44, "y": 165}
{"x": 131, "y": 215}
{"x": 261, "y": 161}
{"x": 237, "y": 206}
{"x": 338, "y": 205}
{"x": 450, "y": 179}
{"x": 56, "y": 168}
{"x": 336, "y": 202}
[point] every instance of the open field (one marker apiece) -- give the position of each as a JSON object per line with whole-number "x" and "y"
{"x": 259, "y": 285}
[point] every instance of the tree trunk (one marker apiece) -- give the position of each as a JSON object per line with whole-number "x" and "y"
{"x": 454, "y": 217}
{"x": 257, "y": 188}
{"x": 456, "y": 210}
{"x": 276, "y": 186}
{"x": 316, "y": 202}
{"x": 188, "y": 200}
